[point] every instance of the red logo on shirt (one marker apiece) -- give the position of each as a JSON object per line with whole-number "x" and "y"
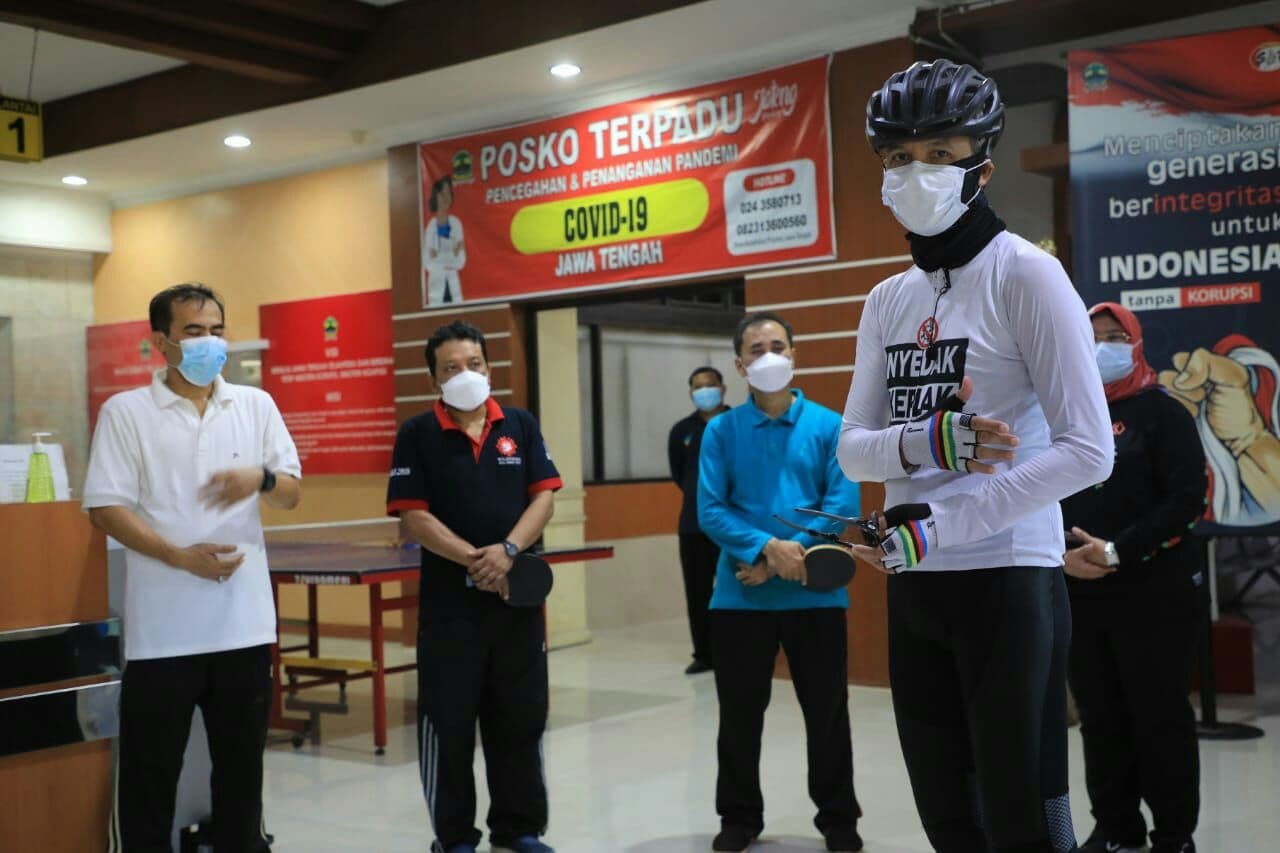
{"x": 507, "y": 446}
{"x": 1118, "y": 428}
{"x": 927, "y": 334}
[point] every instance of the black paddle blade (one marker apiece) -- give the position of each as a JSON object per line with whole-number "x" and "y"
{"x": 529, "y": 582}
{"x": 828, "y": 568}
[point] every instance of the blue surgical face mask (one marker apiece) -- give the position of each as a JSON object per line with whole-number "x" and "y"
{"x": 1115, "y": 360}
{"x": 202, "y": 358}
{"x": 708, "y": 399}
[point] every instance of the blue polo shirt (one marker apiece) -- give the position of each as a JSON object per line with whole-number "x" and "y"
{"x": 753, "y": 466}
{"x": 478, "y": 488}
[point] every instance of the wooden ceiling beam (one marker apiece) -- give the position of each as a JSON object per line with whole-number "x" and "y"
{"x": 411, "y": 37}
{"x": 342, "y": 14}
{"x": 136, "y": 33}
{"x": 245, "y": 24}
{"x": 1030, "y": 83}
{"x": 1022, "y": 24}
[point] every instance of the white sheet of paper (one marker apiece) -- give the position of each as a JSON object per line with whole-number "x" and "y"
{"x": 14, "y": 459}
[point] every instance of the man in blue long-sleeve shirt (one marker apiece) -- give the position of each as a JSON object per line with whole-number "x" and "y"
{"x": 772, "y": 454}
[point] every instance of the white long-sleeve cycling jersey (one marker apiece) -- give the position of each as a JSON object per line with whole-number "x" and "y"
{"x": 1012, "y": 322}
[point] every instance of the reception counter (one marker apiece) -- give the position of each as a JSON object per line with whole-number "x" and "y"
{"x": 59, "y": 680}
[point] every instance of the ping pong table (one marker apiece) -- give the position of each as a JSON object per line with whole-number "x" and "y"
{"x": 342, "y": 564}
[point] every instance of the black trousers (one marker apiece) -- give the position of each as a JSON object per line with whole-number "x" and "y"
{"x": 977, "y": 662}
{"x": 157, "y": 698}
{"x": 745, "y": 644}
{"x": 698, "y": 558}
{"x": 491, "y": 669}
{"x": 1131, "y": 663}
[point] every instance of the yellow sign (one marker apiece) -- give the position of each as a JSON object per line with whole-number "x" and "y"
{"x": 21, "y": 131}
{"x": 656, "y": 210}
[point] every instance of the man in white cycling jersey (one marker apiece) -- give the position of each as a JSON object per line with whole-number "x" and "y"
{"x": 976, "y": 399}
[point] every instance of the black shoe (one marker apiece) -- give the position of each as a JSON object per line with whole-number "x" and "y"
{"x": 698, "y": 667}
{"x": 1174, "y": 847}
{"x": 734, "y": 839}
{"x": 844, "y": 839}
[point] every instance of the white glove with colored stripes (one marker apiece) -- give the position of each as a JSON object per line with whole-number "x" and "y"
{"x": 911, "y": 536}
{"x": 944, "y": 439}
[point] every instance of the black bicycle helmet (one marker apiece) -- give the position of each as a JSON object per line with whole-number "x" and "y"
{"x": 937, "y": 98}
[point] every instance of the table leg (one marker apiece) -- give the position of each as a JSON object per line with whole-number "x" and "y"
{"x": 379, "y": 670}
{"x": 313, "y": 622}
{"x": 277, "y": 711}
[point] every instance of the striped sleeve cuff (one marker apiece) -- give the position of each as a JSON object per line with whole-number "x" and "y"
{"x": 394, "y": 508}
{"x": 551, "y": 484}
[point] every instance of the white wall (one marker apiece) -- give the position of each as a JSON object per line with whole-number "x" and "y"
{"x": 1024, "y": 200}
{"x": 642, "y": 583}
{"x": 48, "y": 298}
{"x": 50, "y": 218}
{"x": 646, "y": 390}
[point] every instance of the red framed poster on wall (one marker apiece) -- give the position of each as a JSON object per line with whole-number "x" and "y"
{"x": 329, "y": 369}
{"x": 120, "y": 357}
{"x": 724, "y": 177}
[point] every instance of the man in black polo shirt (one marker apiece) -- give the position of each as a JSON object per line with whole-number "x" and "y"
{"x": 473, "y": 483}
{"x": 698, "y": 554}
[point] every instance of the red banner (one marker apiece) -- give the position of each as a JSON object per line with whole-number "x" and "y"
{"x": 329, "y": 369}
{"x": 719, "y": 178}
{"x": 120, "y": 357}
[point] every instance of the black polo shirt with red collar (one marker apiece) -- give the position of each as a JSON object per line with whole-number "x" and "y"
{"x": 478, "y": 488}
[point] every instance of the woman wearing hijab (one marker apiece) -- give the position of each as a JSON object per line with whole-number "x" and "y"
{"x": 1135, "y": 580}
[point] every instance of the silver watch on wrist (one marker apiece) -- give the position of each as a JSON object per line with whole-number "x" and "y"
{"x": 1109, "y": 551}
{"x": 512, "y": 549}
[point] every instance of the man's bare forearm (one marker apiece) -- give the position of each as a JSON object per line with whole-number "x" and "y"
{"x": 286, "y": 494}
{"x": 533, "y": 521}
{"x": 124, "y": 525}
{"x": 433, "y": 535}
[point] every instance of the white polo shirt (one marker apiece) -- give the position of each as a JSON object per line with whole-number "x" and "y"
{"x": 152, "y": 453}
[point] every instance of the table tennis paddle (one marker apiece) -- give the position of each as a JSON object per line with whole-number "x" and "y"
{"x": 828, "y": 566}
{"x": 529, "y": 581}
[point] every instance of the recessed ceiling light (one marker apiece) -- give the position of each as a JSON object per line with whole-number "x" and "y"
{"x": 565, "y": 69}
{"x": 74, "y": 181}
{"x": 237, "y": 141}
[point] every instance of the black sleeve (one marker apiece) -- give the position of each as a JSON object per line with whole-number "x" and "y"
{"x": 407, "y": 486}
{"x": 675, "y": 454}
{"x": 1178, "y": 467}
{"x": 540, "y": 472}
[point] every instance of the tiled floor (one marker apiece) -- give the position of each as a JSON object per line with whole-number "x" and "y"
{"x": 631, "y": 765}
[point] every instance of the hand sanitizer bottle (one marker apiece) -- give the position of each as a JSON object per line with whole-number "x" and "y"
{"x": 39, "y": 472}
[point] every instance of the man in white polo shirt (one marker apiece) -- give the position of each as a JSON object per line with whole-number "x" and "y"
{"x": 175, "y": 474}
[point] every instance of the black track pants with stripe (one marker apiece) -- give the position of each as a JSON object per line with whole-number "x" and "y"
{"x": 490, "y": 669}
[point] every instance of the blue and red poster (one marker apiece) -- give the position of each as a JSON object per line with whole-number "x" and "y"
{"x": 1175, "y": 186}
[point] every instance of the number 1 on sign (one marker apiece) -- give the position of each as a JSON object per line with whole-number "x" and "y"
{"x": 19, "y": 126}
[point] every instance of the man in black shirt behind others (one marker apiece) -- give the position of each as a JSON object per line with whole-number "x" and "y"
{"x": 473, "y": 483}
{"x": 698, "y": 554}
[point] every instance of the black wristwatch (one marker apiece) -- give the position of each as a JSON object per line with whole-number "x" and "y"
{"x": 268, "y": 480}
{"x": 512, "y": 549}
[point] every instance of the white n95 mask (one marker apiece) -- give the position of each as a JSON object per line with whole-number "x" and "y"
{"x": 926, "y": 197}
{"x": 467, "y": 391}
{"x": 770, "y": 372}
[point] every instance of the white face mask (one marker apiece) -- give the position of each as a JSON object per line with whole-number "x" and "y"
{"x": 769, "y": 373}
{"x": 925, "y": 197}
{"x": 467, "y": 391}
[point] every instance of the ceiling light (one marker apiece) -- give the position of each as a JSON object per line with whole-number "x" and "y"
{"x": 565, "y": 70}
{"x": 237, "y": 141}
{"x": 74, "y": 181}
